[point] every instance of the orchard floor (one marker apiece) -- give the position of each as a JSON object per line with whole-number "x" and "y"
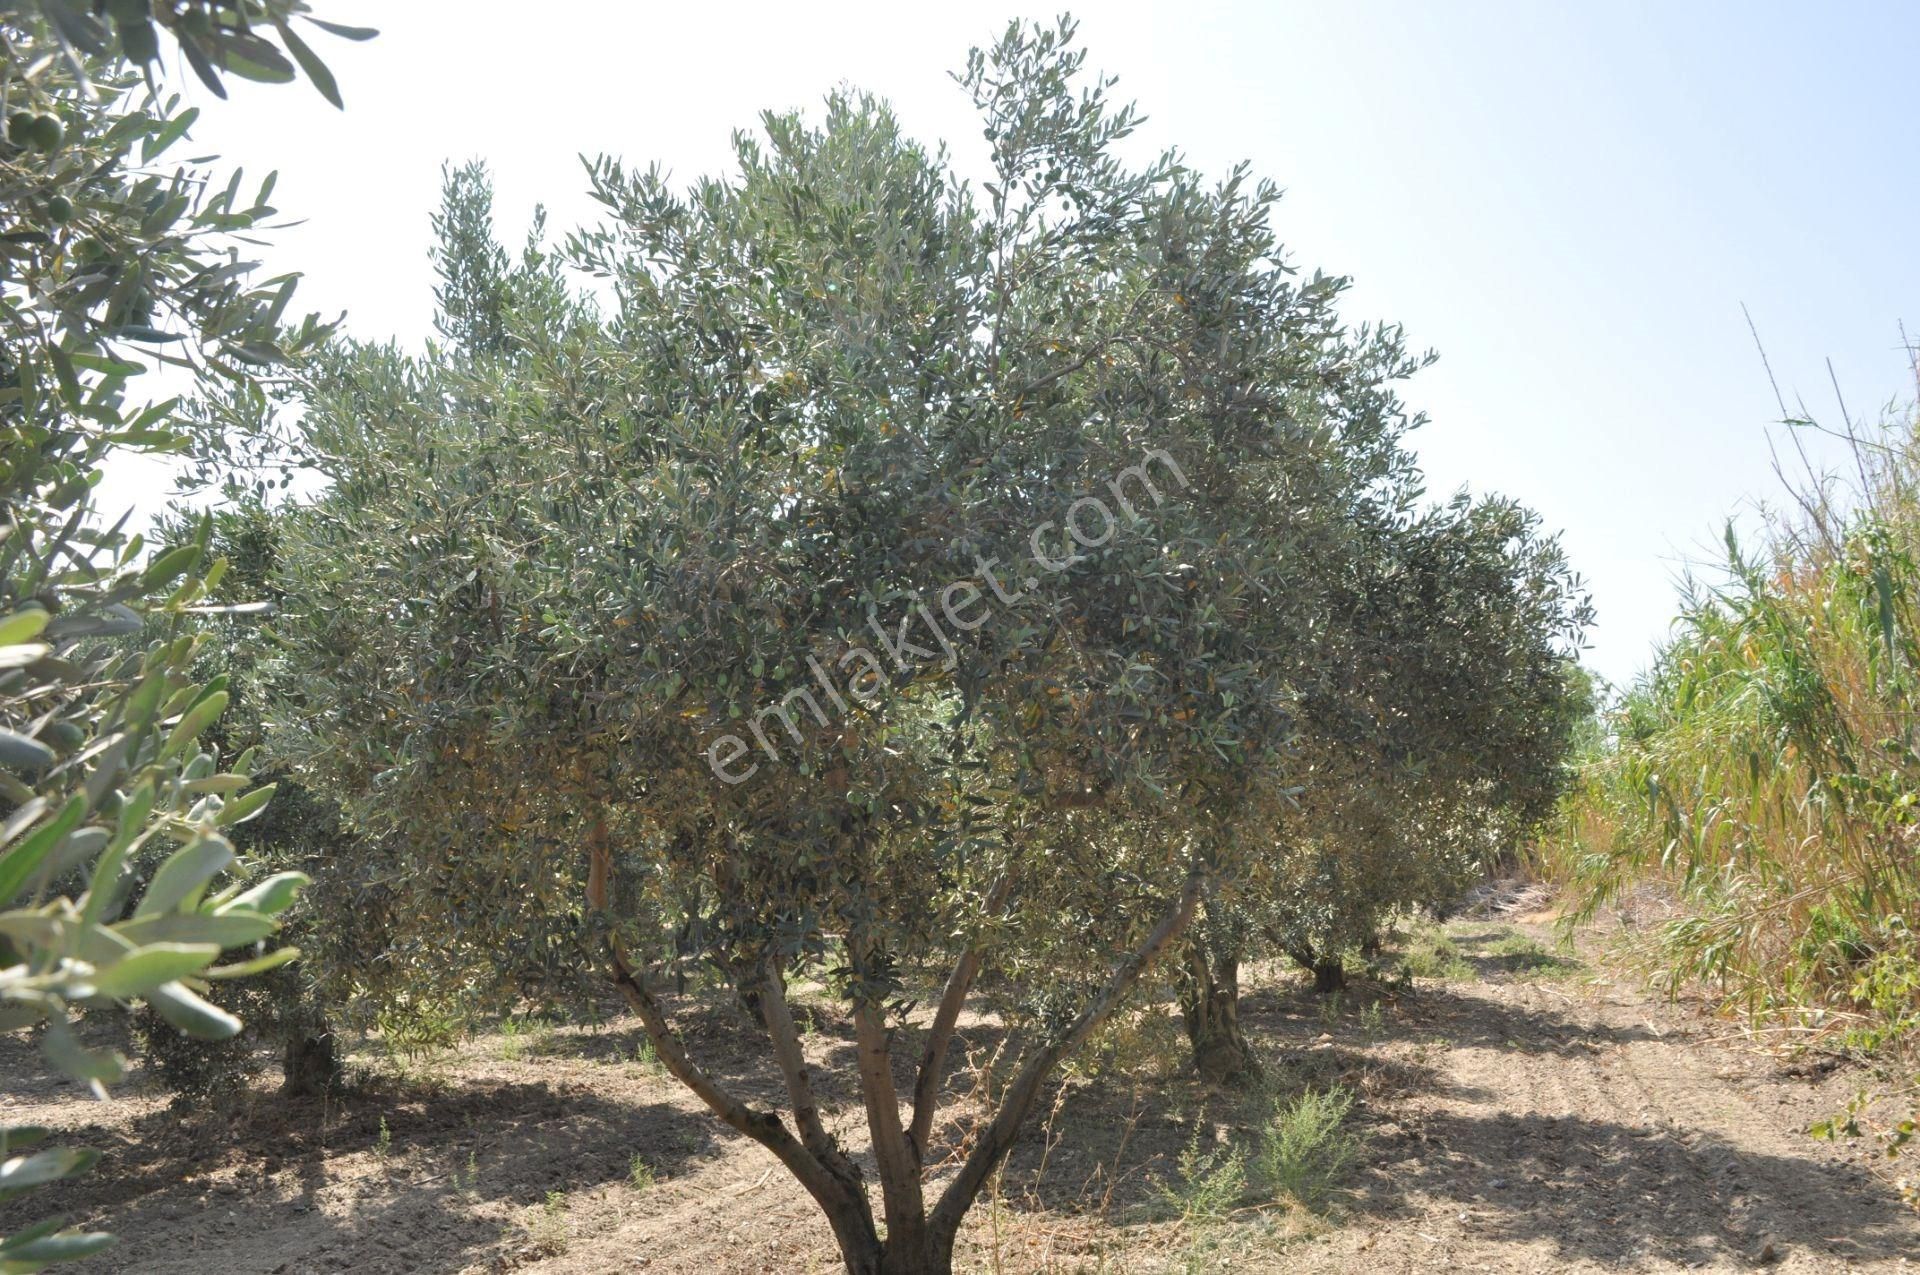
{"x": 1531, "y": 1112}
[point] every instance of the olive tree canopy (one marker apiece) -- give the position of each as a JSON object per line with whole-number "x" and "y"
{"x": 880, "y": 557}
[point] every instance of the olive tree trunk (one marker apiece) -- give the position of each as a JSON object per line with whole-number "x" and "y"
{"x": 919, "y": 1240}
{"x": 1329, "y": 975}
{"x": 310, "y": 1065}
{"x": 1210, "y": 1007}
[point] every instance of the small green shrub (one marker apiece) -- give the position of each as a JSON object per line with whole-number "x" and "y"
{"x": 1431, "y": 954}
{"x": 549, "y": 1230}
{"x": 1210, "y": 1184}
{"x": 1372, "y": 1021}
{"x": 1306, "y": 1148}
{"x": 1887, "y": 985}
{"x": 640, "y": 1174}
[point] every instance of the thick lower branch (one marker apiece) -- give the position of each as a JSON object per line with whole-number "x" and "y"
{"x": 901, "y": 1193}
{"x": 842, "y": 1206}
{"x": 1329, "y": 975}
{"x": 846, "y": 1208}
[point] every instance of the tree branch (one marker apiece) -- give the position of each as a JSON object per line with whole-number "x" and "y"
{"x": 933, "y": 1059}
{"x": 764, "y": 1127}
{"x": 778, "y": 1016}
{"x": 998, "y": 1138}
{"x": 900, "y": 1189}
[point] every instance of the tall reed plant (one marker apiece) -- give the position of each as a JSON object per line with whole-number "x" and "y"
{"x": 1765, "y": 772}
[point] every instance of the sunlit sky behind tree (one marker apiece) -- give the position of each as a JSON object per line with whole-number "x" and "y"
{"x": 1569, "y": 202}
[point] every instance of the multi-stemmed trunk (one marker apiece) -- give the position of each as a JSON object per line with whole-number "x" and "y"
{"x": 919, "y": 1239}
{"x": 1210, "y": 1007}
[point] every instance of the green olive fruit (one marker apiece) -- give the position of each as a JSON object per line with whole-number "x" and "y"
{"x": 59, "y": 209}
{"x": 48, "y": 132}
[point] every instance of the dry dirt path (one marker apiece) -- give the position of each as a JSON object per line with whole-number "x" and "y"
{"x": 1576, "y": 1123}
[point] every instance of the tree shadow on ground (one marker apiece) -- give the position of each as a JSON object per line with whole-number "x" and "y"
{"x": 1618, "y": 1194}
{"x": 441, "y": 1155}
{"x": 1522, "y": 965}
{"x": 1429, "y": 1011}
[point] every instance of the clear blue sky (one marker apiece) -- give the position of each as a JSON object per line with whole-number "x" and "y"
{"x": 1569, "y": 202}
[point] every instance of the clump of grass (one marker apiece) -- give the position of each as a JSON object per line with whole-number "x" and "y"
{"x": 514, "y": 1038}
{"x": 468, "y": 1183}
{"x": 640, "y": 1174}
{"x": 510, "y": 1047}
{"x": 548, "y": 1232}
{"x": 1431, "y": 954}
{"x": 647, "y": 1058}
{"x": 383, "y": 1140}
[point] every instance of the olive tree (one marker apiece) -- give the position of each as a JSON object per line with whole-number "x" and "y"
{"x": 1433, "y": 739}
{"x": 114, "y": 260}
{"x": 290, "y": 1009}
{"x": 890, "y": 557}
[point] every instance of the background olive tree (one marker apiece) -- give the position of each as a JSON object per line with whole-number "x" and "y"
{"x": 1434, "y": 739}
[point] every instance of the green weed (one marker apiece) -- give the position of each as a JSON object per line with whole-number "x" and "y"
{"x": 548, "y": 1232}
{"x": 1306, "y": 1148}
{"x": 1431, "y": 954}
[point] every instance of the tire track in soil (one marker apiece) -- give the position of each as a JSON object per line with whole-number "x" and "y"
{"x": 1592, "y": 1128}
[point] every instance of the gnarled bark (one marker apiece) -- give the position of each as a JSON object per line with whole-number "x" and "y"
{"x": 1210, "y": 1007}
{"x": 1329, "y": 975}
{"x": 310, "y": 1066}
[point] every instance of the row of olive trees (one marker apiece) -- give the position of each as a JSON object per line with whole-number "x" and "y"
{"x": 1433, "y": 738}
{"x": 114, "y": 260}
{"x": 891, "y": 578}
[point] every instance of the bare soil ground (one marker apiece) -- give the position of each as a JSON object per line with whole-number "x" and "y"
{"x": 1528, "y": 1112}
